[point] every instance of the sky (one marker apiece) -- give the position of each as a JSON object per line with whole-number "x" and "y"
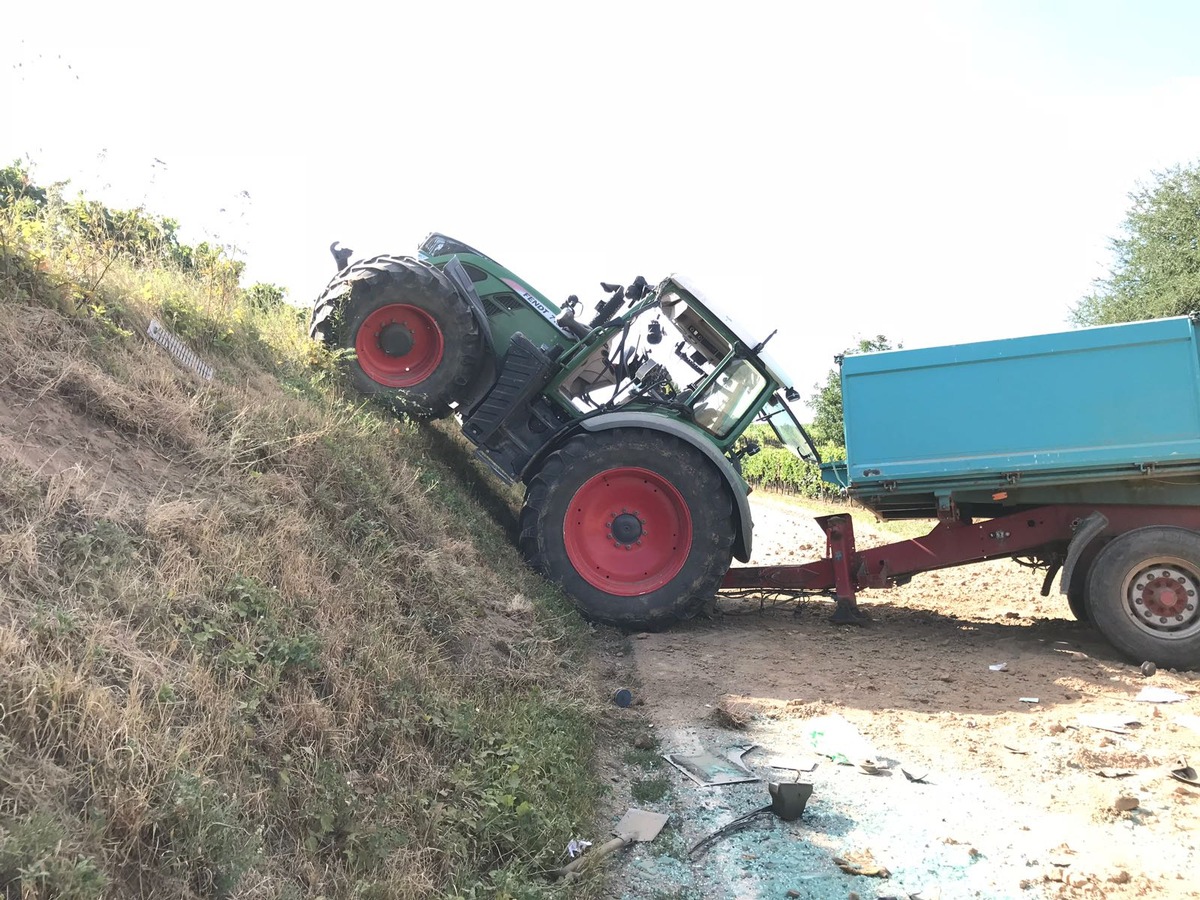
{"x": 933, "y": 171}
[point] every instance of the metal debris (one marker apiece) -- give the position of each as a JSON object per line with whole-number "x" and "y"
{"x": 709, "y": 769}
{"x": 1117, "y": 723}
{"x": 179, "y": 351}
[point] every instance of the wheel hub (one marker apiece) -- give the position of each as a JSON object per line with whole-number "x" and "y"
{"x": 1162, "y": 597}
{"x": 395, "y": 340}
{"x": 399, "y": 345}
{"x": 627, "y": 531}
{"x": 626, "y": 528}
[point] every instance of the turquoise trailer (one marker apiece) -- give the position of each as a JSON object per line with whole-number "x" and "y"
{"x": 1099, "y": 415}
{"x": 1078, "y": 451}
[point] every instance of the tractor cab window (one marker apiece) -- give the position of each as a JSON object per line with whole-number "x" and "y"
{"x": 788, "y": 429}
{"x": 721, "y": 405}
{"x": 706, "y": 342}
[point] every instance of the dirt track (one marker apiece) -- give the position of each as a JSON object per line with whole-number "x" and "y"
{"x": 1014, "y": 804}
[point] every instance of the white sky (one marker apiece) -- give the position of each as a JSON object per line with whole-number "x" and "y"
{"x": 933, "y": 171}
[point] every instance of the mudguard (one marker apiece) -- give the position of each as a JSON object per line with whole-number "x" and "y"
{"x": 744, "y": 527}
{"x": 1089, "y": 529}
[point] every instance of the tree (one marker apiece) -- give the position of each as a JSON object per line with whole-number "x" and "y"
{"x": 264, "y": 296}
{"x": 826, "y": 403}
{"x": 1157, "y": 268}
{"x": 18, "y": 193}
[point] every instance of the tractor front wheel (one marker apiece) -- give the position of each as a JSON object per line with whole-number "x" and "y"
{"x": 636, "y": 525}
{"x": 416, "y": 344}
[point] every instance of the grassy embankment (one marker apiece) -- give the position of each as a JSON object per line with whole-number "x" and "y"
{"x": 255, "y": 639}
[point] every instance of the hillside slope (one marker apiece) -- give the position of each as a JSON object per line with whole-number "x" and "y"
{"x": 255, "y": 639}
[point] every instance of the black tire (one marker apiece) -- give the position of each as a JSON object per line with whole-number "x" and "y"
{"x": 1144, "y": 595}
{"x": 638, "y": 492}
{"x": 1077, "y": 590}
{"x": 417, "y": 345}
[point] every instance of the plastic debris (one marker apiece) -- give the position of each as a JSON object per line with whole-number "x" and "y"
{"x": 1159, "y": 695}
{"x": 999, "y": 667}
{"x": 576, "y": 848}
{"x": 1192, "y": 722}
{"x": 1028, "y": 699}
{"x": 789, "y": 799}
{"x": 834, "y": 737}
{"x": 1114, "y": 773}
{"x": 623, "y": 697}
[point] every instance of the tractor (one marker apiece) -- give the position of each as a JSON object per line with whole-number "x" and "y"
{"x": 622, "y": 428}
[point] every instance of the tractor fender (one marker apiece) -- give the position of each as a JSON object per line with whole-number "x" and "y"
{"x": 486, "y": 376}
{"x": 744, "y": 526}
{"x": 1088, "y": 530}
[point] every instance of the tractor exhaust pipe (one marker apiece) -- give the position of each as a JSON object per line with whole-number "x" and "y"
{"x": 340, "y": 255}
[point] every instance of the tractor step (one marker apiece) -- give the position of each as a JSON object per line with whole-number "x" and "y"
{"x": 513, "y": 421}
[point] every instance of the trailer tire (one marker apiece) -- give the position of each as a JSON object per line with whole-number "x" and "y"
{"x": 1144, "y": 595}
{"x": 1077, "y": 601}
{"x": 636, "y": 525}
{"x": 416, "y": 344}
{"x": 1077, "y": 590}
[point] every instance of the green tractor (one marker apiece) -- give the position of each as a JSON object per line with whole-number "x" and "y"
{"x": 622, "y": 428}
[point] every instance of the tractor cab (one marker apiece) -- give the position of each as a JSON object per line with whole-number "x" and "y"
{"x": 674, "y": 353}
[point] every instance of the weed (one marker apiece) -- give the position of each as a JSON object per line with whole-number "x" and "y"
{"x": 35, "y": 862}
{"x": 650, "y": 790}
{"x": 209, "y": 843}
{"x": 648, "y": 758}
{"x": 670, "y": 842}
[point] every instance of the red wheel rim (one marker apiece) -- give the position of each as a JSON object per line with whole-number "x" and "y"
{"x": 399, "y": 345}
{"x": 628, "y": 531}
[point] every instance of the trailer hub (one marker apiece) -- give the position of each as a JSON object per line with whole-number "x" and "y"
{"x": 1164, "y": 593}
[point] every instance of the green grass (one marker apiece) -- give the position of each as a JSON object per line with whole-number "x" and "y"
{"x": 643, "y": 759}
{"x": 259, "y": 638}
{"x": 650, "y": 790}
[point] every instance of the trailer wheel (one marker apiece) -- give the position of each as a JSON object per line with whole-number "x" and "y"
{"x": 1144, "y": 595}
{"x": 637, "y": 526}
{"x": 416, "y": 344}
{"x": 1077, "y": 590}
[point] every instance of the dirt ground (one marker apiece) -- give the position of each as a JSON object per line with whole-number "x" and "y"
{"x": 1015, "y": 800}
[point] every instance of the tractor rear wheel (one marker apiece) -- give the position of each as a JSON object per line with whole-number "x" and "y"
{"x": 416, "y": 344}
{"x": 637, "y": 526}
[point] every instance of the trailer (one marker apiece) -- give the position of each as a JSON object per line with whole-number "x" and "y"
{"x": 1078, "y": 452}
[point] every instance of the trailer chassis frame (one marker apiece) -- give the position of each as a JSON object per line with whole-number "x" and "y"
{"x": 1045, "y": 531}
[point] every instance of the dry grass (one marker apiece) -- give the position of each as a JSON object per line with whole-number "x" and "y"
{"x": 253, "y": 641}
